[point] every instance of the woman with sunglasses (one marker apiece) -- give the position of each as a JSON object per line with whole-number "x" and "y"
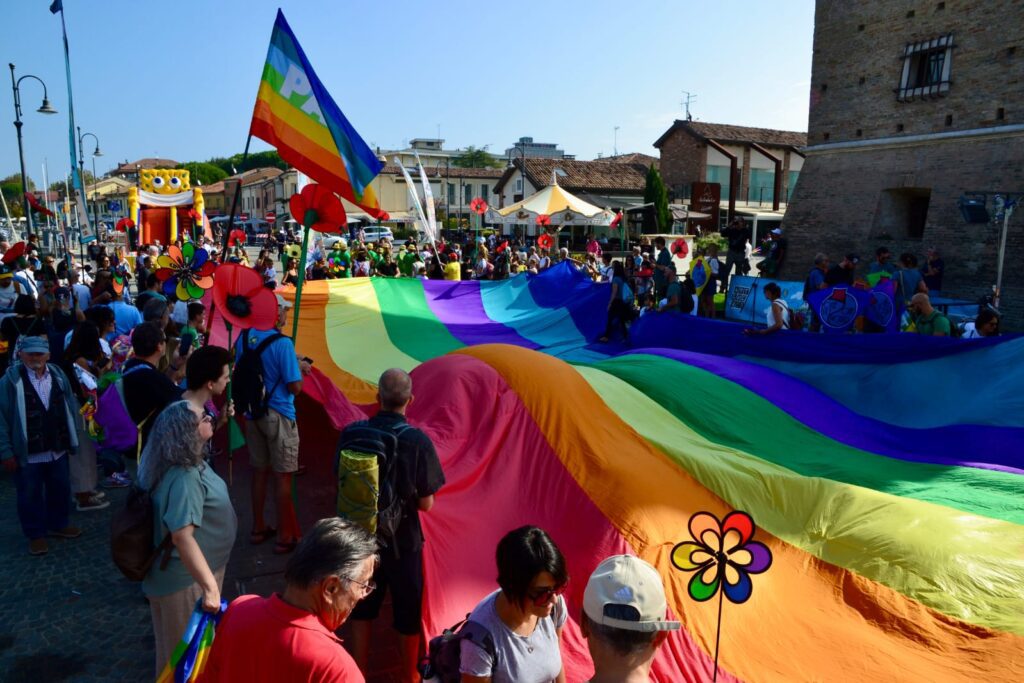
{"x": 192, "y": 506}
{"x": 524, "y": 617}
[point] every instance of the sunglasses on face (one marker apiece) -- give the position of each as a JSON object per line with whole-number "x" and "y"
{"x": 542, "y": 596}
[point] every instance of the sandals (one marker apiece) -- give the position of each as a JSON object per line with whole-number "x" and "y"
{"x": 258, "y": 537}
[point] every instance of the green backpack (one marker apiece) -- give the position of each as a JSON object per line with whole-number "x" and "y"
{"x": 367, "y": 469}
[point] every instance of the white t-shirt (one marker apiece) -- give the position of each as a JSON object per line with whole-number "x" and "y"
{"x": 83, "y": 295}
{"x": 785, "y": 313}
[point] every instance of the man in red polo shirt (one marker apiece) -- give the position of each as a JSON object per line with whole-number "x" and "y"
{"x": 290, "y": 636}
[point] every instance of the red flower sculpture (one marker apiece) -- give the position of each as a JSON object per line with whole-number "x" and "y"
{"x": 236, "y": 238}
{"x": 14, "y": 253}
{"x": 679, "y": 248}
{"x": 240, "y": 296}
{"x": 544, "y": 220}
{"x": 545, "y": 241}
{"x": 501, "y": 247}
{"x": 124, "y": 224}
{"x": 317, "y": 208}
{"x": 478, "y": 206}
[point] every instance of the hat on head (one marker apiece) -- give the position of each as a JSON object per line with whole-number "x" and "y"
{"x": 626, "y": 592}
{"x": 282, "y": 302}
{"x": 777, "y": 231}
{"x": 34, "y": 345}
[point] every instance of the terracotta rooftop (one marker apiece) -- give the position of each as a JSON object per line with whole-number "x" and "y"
{"x": 255, "y": 175}
{"x": 646, "y": 160}
{"x": 148, "y": 162}
{"x": 599, "y": 176}
{"x": 724, "y": 132}
{"x": 213, "y": 188}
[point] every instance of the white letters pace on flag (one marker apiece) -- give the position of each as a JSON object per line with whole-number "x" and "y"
{"x": 428, "y": 199}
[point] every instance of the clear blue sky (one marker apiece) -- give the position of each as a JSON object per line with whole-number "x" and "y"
{"x": 178, "y": 80}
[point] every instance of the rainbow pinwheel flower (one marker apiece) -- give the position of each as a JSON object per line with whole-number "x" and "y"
{"x": 186, "y": 272}
{"x": 722, "y": 555}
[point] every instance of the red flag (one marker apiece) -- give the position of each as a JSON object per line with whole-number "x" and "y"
{"x": 34, "y": 203}
{"x": 615, "y": 221}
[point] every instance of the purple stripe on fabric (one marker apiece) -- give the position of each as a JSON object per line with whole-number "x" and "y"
{"x": 460, "y": 308}
{"x": 947, "y": 445}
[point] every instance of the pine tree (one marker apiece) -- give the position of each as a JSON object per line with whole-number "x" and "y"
{"x": 656, "y": 193}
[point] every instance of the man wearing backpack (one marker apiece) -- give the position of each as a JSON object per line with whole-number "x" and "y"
{"x": 417, "y": 477}
{"x": 147, "y": 391}
{"x": 271, "y": 432}
{"x": 38, "y": 417}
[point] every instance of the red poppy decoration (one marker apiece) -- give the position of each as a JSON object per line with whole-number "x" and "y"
{"x": 195, "y": 215}
{"x": 236, "y": 238}
{"x": 679, "y": 248}
{"x": 240, "y": 296}
{"x": 317, "y": 208}
{"x": 545, "y": 241}
{"x": 123, "y": 225}
{"x": 384, "y": 216}
{"x": 478, "y": 206}
{"x": 501, "y": 247}
{"x": 544, "y": 220}
{"x": 14, "y": 253}
{"x": 34, "y": 203}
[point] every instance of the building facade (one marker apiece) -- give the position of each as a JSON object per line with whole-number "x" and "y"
{"x": 525, "y": 148}
{"x": 755, "y": 169}
{"x": 916, "y": 112}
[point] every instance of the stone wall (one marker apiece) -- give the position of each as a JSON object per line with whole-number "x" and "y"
{"x": 837, "y": 205}
{"x": 843, "y": 200}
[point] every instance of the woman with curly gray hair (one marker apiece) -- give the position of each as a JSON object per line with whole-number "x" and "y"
{"x": 191, "y": 504}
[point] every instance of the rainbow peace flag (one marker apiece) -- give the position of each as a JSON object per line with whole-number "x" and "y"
{"x": 295, "y": 113}
{"x": 884, "y": 472}
{"x": 193, "y": 650}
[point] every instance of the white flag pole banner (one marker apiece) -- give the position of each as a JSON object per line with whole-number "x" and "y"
{"x": 428, "y": 199}
{"x": 416, "y": 201}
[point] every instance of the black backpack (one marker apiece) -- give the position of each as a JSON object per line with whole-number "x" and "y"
{"x": 248, "y": 388}
{"x": 368, "y": 486}
{"x": 131, "y": 537}
{"x": 444, "y": 653}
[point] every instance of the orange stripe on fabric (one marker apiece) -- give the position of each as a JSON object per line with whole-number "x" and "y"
{"x": 283, "y": 134}
{"x": 807, "y": 619}
{"x": 312, "y": 341}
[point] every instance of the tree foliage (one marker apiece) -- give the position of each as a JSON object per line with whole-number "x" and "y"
{"x": 11, "y": 188}
{"x": 233, "y": 164}
{"x": 656, "y": 193}
{"x": 16, "y": 178}
{"x": 477, "y": 158}
{"x": 87, "y": 180}
{"x": 203, "y": 172}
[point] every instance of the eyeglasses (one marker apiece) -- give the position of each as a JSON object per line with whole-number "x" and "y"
{"x": 542, "y": 596}
{"x": 368, "y": 587}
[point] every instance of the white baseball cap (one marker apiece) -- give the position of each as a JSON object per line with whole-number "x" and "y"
{"x": 627, "y": 582}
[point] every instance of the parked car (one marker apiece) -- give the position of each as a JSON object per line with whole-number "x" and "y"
{"x": 376, "y": 233}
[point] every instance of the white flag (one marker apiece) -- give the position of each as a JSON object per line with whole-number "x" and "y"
{"x": 414, "y": 196}
{"x": 428, "y": 199}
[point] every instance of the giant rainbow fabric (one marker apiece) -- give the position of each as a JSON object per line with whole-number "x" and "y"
{"x": 884, "y": 472}
{"x": 295, "y": 113}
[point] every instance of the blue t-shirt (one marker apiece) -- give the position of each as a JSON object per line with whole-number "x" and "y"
{"x": 907, "y": 282}
{"x": 815, "y": 279}
{"x": 280, "y": 368}
{"x": 126, "y": 317}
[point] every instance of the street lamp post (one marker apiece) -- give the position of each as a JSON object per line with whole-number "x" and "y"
{"x": 81, "y": 174}
{"x": 44, "y": 108}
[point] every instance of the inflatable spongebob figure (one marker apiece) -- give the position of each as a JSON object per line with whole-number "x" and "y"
{"x": 165, "y": 207}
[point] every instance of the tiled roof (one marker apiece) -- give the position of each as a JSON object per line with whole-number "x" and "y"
{"x": 148, "y": 162}
{"x": 591, "y": 176}
{"x": 633, "y": 158}
{"x": 724, "y": 132}
{"x": 256, "y": 175}
{"x": 214, "y": 188}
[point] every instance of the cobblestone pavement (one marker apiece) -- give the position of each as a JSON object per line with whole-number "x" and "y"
{"x": 70, "y": 615}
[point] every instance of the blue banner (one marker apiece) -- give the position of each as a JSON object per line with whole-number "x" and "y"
{"x": 839, "y": 307}
{"x": 746, "y": 302}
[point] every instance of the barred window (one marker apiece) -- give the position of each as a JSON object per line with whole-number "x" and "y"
{"x": 926, "y": 68}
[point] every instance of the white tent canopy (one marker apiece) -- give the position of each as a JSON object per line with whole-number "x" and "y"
{"x": 562, "y": 207}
